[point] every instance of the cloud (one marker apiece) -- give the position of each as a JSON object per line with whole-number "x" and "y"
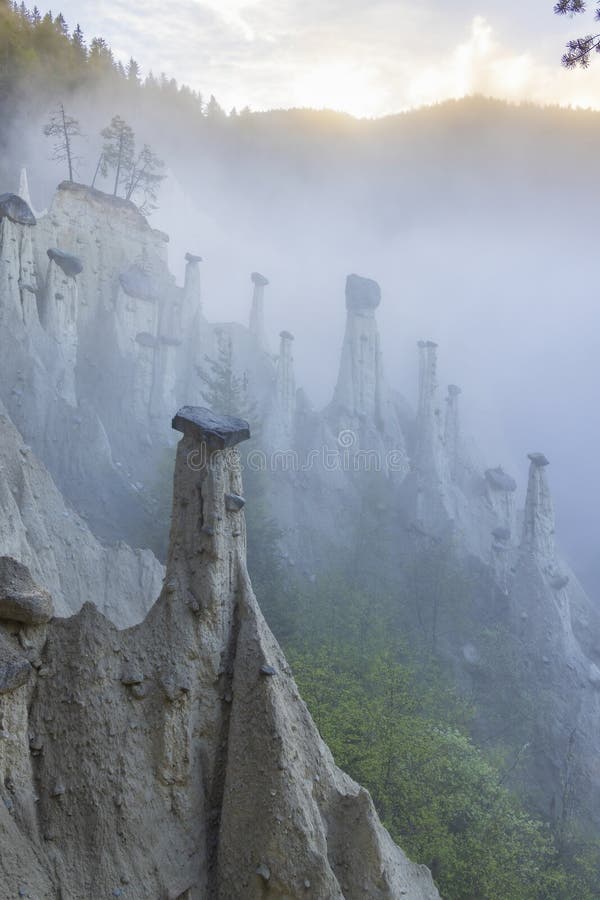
{"x": 481, "y": 65}
{"x": 367, "y": 58}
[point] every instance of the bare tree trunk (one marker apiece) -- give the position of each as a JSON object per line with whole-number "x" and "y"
{"x": 67, "y": 142}
{"x": 97, "y": 169}
{"x": 118, "y": 175}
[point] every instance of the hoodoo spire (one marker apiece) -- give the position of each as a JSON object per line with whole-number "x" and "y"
{"x": 538, "y": 522}
{"x": 430, "y": 436}
{"x": 286, "y": 382}
{"x": 192, "y": 284}
{"x": 452, "y": 428}
{"x": 257, "y": 311}
{"x": 359, "y": 384}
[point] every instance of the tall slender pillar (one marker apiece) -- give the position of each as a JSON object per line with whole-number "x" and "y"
{"x": 257, "y": 312}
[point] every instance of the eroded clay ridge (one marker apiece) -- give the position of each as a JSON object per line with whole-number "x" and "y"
{"x": 176, "y": 759}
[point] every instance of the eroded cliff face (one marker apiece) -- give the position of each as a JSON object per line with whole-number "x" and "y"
{"x": 176, "y": 759}
{"x": 559, "y": 660}
{"x": 99, "y": 345}
{"x": 44, "y": 532}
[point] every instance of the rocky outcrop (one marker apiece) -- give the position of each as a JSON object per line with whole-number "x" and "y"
{"x": 16, "y": 210}
{"x": 21, "y": 600}
{"x": 557, "y": 659}
{"x": 43, "y": 532}
{"x": 183, "y": 741}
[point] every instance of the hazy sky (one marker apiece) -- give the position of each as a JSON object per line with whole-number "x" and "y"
{"x": 368, "y": 57}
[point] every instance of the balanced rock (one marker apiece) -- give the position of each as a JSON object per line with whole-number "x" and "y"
{"x": 497, "y": 478}
{"x": 16, "y": 209}
{"x": 234, "y": 503}
{"x": 258, "y": 279}
{"x": 362, "y": 293}
{"x": 71, "y": 265}
{"x": 21, "y": 600}
{"x": 205, "y": 426}
{"x": 539, "y": 460}
{"x": 145, "y": 339}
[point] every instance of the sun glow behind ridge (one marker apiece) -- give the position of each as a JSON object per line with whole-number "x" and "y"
{"x": 478, "y": 65}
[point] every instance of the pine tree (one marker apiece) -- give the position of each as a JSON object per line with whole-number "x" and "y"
{"x": 224, "y": 391}
{"x": 118, "y": 151}
{"x": 579, "y": 50}
{"x": 100, "y": 54}
{"x": 145, "y": 179}
{"x": 133, "y": 71}
{"x": 78, "y": 41}
{"x": 63, "y": 128}
{"x": 213, "y": 109}
{"x": 60, "y": 24}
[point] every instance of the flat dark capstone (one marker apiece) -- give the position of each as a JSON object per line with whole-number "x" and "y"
{"x": 16, "y": 209}
{"x": 538, "y": 459}
{"x": 138, "y": 284}
{"x": 145, "y": 339}
{"x": 268, "y": 670}
{"x": 362, "y": 293}
{"x": 501, "y": 534}
{"x": 192, "y": 258}
{"x": 423, "y": 344}
{"x": 234, "y": 503}
{"x": 21, "y": 600}
{"x": 500, "y": 480}
{"x": 257, "y": 278}
{"x": 71, "y": 265}
{"x": 202, "y": 423}
{"x": 286, "y": 335}
{"x": 14, "y": 668}
{"x": 454, "y": 390}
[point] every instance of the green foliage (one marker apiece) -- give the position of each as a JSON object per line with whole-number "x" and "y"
{"x": 39, "y": 59}
{"x": 393, "y": 721}
{"x": 225, "y": 392}
{"x": 439, "y": 797}
{"x": 145, "y": 177}
{"x": 118, "y": 151}
{"x": 137, "y": 174}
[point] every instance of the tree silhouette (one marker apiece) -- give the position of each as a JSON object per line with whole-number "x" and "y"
{"x": 63, "y": 128}
{"x": 118, "y": 151}
{"x": 133, "y": 71}
{"x": 139, "y": 176}
{"x": 579, "y": 50}
{"x": 78, "y": 41}
{"x": 145, "y": 179}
